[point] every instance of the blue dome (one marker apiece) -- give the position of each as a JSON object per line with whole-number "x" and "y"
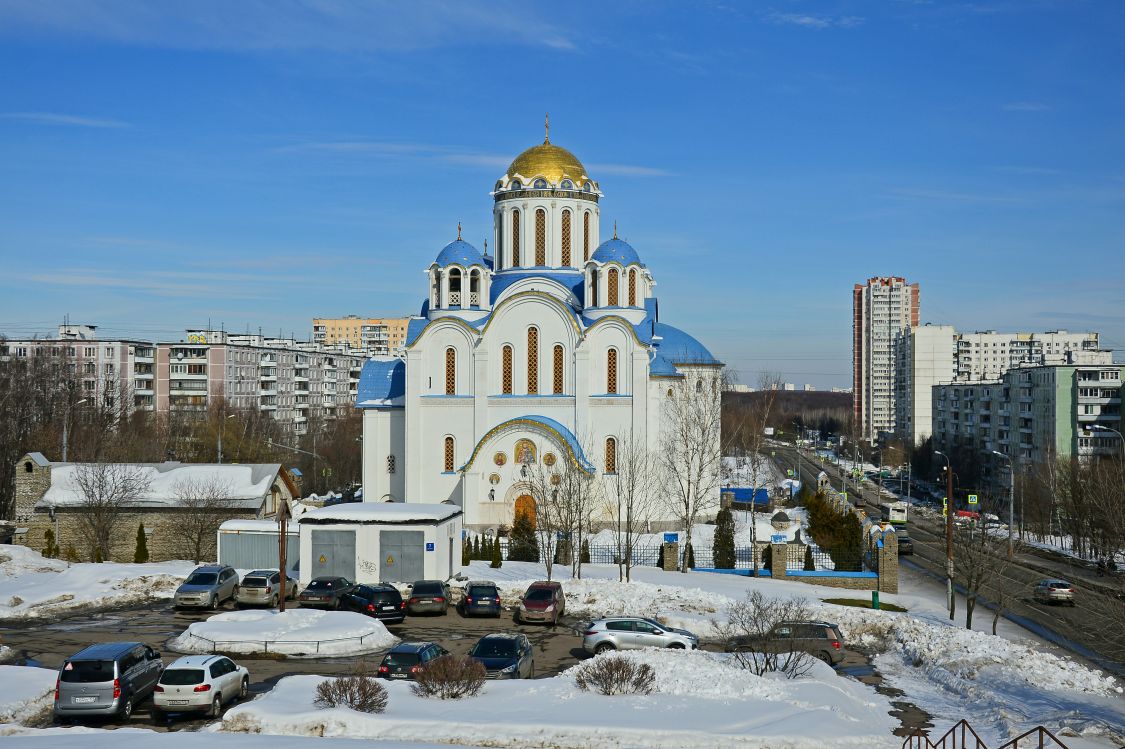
{"x": 678, "y": 347}
{"x": 460, "y": 252}
{"x": 616, "y": 249}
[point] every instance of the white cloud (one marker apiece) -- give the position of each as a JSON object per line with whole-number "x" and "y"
{"x": 813, "y": 21}
{"x": 53, "y": 118}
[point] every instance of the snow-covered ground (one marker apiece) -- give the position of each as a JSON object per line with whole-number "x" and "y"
{"x": 700, "y": 701}
{"x": 133, "y": 738}
{"x": 32, "y": 586}
{"x": 296, "y": 632}
{"x": 703, "y": 534}
{"x": 26, "y": 694}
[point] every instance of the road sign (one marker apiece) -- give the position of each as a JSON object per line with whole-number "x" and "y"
{"x": 972, "y": 499}
{"x": 790, "y": 472}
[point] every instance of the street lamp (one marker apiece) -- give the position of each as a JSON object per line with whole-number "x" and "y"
{"x": 219, "y": 456}
{"x": 1011, "y": 496}
{"x": 66, "y": 425}
{"x": 1100, "y": 428}
{"x": 948, "y": 531}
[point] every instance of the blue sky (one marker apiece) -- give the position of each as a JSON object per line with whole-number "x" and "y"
{"x": 257, "y": 164}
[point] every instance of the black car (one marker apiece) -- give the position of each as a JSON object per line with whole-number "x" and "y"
{"x": 325, "y": 592}
{"x": 428, "y": 597}
{"x": 905, "y": 543}
{"x": 481, "y": 598}
{"x": 406, "y": 659}
{"x": 505, "y": 656}
{"x": 382, "y": 601}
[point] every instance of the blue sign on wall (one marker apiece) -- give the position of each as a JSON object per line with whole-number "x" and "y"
{"x": 429, "y": 546}
{"x": 777, "y": 538}
{"x": 671, "y": 538}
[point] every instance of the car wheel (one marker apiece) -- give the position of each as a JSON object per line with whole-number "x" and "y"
{"x": 603, "y": 647}
{"x": 216, "y": 707}
{"x": 531, "y": 675}
{"x": 244, "y": 689}
{"x": 676, "y": 646}
{"x": 517, "y": 619}
{"x": 213, "y": 602}
{"x": 125, "y": 712}
{"x": 825, "y": 657}
{"x": 273, "y": 604}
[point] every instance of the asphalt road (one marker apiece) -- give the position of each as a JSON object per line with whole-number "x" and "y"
{"x": 48, "y": 645}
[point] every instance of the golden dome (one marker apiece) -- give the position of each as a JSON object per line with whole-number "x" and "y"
{"x": 550, "y": 162}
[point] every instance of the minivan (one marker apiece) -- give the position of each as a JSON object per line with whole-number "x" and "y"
{"x": 107, "y": 679}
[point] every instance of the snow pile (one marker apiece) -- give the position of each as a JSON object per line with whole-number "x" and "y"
{"x": 82, "y": 737}
{"x": 297, "y": 632}
{"x": 34, "y": 587}
{"x": 28, "y": 693}
{"x": 701, "y": 702}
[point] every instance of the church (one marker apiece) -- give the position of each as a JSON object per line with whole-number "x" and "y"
{"x": 549, "y": 349}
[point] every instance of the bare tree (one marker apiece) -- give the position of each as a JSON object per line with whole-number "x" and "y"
{"x": 630, "y": 498}
{"x": 105, "y": 492}
{"x": 690, "y": 456}
{"x": 755, "y": 631}
{"x": 980, "y": 556}
{"x": 579, "y": 494}
{"x": 202, "y": 505}
{"x": 543, "y": 483}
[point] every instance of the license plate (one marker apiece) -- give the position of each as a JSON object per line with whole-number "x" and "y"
{"x": 427, "y": 600}
{"x": 484, "y": 600}
{"x": 83, "y": 700}
{"x": 398, "y": 676}
{"x": 177, "y": 702}
{"x": 388, "y": 608}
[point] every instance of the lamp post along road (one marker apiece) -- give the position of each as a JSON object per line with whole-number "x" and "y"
{"x": 948, "y": 531}
{"x": 1094, "y": 428}
{"x": 1011, "y": 496}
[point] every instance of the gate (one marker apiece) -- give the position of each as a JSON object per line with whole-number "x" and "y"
{"x": 401, "y": 554}
{"x": 333, "y": 554}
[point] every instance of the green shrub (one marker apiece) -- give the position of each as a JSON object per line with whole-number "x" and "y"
{"x": 50, "y": 548}
{"x": 689, "y": 557}
{"x": 466, "y": 552}
{"x": 723, "y": 548}
{"x": 496, "y": 559}
{"x": 810, "y": 563}
{"x": 140, "y": 555}
{"x": 523, "y": 546}
{"x": 585, "y": 559}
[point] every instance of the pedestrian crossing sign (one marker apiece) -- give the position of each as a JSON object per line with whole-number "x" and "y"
{"x": 972, "y": 499}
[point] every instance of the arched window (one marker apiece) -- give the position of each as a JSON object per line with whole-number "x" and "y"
{"x": 585, "y": 236}
{"x": 593, "y": 288}
{"x": 436, "y": 294}
{"x": 516, "y": 237}
{"x": 611, "y": 290}
{"x": 454, "y": 287}
{"x": 540, "y": 237}
{"x": 448, "y": 455}
{"x": 474, "y": 288}
{"x": 532, "y": 361}
{"x": 557, "y": 358}
{"x": 632, "y": 287}
{"x": 566, "y": 237}
{"x": 540, "y": 184}
{"x": 611, "y": 371}
{"x": 610, "y": 455}
{"x": 506, "y": 371}
{"x": 451, "y": 371}
{"x": 566, "y": 184}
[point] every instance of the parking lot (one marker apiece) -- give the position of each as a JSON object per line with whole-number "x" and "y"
{"x": 48, "y": 645}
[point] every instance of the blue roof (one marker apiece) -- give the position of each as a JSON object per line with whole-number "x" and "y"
{"x": 568, "y": 277}
{"x": 619, "y": 250}
{"x": 382, "y": 383}
{"x": 760, "y": 495}
{"x": 661, "y": 367}
{"x": 460, "y": 252}
{"x": 550, "y": 425}
{"x": 680, "y": 348}
{"x": 415, "y": 327}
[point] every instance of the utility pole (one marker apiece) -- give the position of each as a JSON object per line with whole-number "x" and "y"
{"x": 282, "y": 547}
{"x": 66, "y": 426}
{"x": 1011, "y": 497}
{"x": 948, "y": 531}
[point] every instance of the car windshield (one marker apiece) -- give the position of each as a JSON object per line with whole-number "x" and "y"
{"x": 182, "y": 676}
{"x": 1060, "y": 585}
{"x": 483, "y": 590}
{"x": 84, "y": 672}
{"x": 254, "y": 582}
{"x": 539, "y": 594}
{"x": 427, "y": 589}
{"x": 324, "y": 584}
{"x": 494, "y": 648}
{"x": 400, "y": 659}
{"x": 202, "y": 578}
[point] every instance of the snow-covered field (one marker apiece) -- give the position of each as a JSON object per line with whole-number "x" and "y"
{"x": 33, "y": 587}
{"x": 700, "y": 701}
{"x": 703, "y": 534}
{"x": 296, "y": 632}
{"x": 133, "y": 738}
{"x": 26, "y": 693}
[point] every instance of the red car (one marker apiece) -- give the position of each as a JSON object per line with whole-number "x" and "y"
{"x": 543, "y": 602}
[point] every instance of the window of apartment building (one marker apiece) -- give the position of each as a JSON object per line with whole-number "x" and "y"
{"x": 88, "y": 384}
{"x": 90, "y": 351}
{"x": 71, "y": 351}
{"x": 109, "y": 369}
{"x": 109, "y": 350}
{"x": 89, "y": 368}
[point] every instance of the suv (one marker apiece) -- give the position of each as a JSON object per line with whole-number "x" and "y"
{"x": 905, "y": 542}
{"x": 1054, "y": 591}
{"x": 382, "y": 601}
{"x": 821, "y": 639}
{"x": 543, "y": 602}
{"x": 481, "y": 597}
{"x": 207, "y": 587}
{"x": 199, "y": 684}
{"x": 632, "y": 633}
{"x": 406, "y": 659}
{"x": 263, "y": 588}
{"x": 505, "y": 655}
{"x": 428, "y": 597}
{"x": 106, "y": 679}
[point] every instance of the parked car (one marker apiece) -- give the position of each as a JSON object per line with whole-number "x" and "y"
{"x": 428, "y": 597}
{"x": 207, "y": 587}
{"x": 406, "y": 659}
{"x": 481, "y": 598}
{"x": 632, "y": 633}
{"x": 905, "y": 542}
{"x": 106, "y": 679}
{"x": 382, "y": 601}
{"x": 543, "y": 602}
{"x": 1054, "y": 591}
{"x": 325, "y": 592}
{"x": 199, "y": 684}
{"x": 506, "y": 655}
{"x": 821, "y": 639}
{"x": 264, "y": 588}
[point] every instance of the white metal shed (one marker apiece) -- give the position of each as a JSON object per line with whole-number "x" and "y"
{"x": 381, "y": 541}
{"x": 253, "y": 544}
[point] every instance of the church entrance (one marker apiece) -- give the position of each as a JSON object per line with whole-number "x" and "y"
{"x": 525, "y": 505}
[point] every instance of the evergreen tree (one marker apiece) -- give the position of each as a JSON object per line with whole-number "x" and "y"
{"x": 466, "y": 552}
{"x": 476, "y": 548}
{"x": 49, "y": 547}
{"x": 767, "y": 558}
{"x": 723, "y": 546}
{"x": 496, "y": 560}
{"x": 847, "y": 548}
{"x": 810, "y": 563}
{"x": 689, "y": 555}
{"x": 586, "y": 551}
{"x": 523, "y": 546}
{"x": 71, "y": 553}
{"x": 140, "y": 555}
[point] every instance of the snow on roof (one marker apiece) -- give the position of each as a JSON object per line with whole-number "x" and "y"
{"x": 382, "y": 383}
{"x": 246, "y": 485}
{"x": 254, "y": 526}
{"x": 381, "y": 512}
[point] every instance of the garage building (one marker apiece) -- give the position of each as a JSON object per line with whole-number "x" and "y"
{"x": 370, "y": 542}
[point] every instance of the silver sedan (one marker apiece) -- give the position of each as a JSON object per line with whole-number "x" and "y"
{"x": 634, "y": 632}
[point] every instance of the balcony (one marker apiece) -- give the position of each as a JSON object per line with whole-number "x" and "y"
{"x": 267, "y": 391}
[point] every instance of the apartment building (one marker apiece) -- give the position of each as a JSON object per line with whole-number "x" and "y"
{"x": 929, "y": 355}
{"x": 882, "y": 309}
{"x": 1033, "y": 413}
{"x": 377, "y": 336}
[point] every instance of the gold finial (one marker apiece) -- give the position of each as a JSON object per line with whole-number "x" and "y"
{"x": 547, "y": 127}
{"x": 615, "y": 229}
{"x": 458, "y": 230}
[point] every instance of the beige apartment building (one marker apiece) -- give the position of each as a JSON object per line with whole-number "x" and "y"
{"x": 377, "y": 336}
